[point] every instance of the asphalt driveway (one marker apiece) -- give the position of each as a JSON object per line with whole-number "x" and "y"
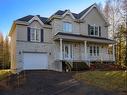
{"x": 48, "y": 83}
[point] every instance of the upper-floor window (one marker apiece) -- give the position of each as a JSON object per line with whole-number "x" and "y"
{"x": 67, "y": 27}
{"x": 35, "y": 34}
{"x": 94, "y": 30}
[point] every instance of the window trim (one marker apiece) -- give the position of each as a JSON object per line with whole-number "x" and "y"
{"x": 70, "y": 51}
{"x": 35, "y": 34}
{"x": 94, "y": 30}
{"x": 68, "y": 29}
{"x": 94, "y": 50}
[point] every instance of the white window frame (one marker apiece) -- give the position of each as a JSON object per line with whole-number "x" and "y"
{"x": 35, "y": 34}
{"x": 94, "y": 49}
{"x": 94, "y": 30}
{"x": 67, "y": 27}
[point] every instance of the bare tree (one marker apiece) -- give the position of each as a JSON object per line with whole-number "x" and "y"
{"x": 100, "y": 6}
{"x": 124, "y": 8}
{"x": 112, "y": 11}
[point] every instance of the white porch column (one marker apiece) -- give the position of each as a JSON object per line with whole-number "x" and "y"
{"x": 113, "y": 52}
{"x": 85, "y": 46}
{"x": 61, "y": 52}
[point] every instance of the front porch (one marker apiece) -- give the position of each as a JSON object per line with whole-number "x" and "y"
{"x": 84, "y": 50}
{"x": 79, "y": 52}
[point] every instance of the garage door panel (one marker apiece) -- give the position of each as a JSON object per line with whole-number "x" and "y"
{"x": 35, "y": 61}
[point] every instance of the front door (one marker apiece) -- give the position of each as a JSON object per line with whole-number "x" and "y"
{"x": 67, "y": 51}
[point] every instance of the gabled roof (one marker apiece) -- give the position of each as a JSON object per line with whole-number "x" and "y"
{"x": 46, "y": 20}
{"x": 29, "y": 17}
{"x": 59, "y": 12}
{"x": 77, "y": 16}
{"x": 84, "y": 11}
{"x": 26, "y": 18}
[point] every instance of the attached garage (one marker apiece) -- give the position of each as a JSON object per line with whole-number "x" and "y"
{"x": 35, "y": 61}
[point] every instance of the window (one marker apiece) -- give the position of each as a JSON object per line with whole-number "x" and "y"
{"x": 94, "y": 50}
{"x": 35, "y": 34}
{"x": 94, "y": 30}
{"x": 97, "y": 51}
{"x": 90, "y": 50}
{"x": 67, "y": 27}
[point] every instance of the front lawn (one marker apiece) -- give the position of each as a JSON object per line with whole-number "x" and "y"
{"x": 4, "y": 73}
{"x": 110, "y": 80}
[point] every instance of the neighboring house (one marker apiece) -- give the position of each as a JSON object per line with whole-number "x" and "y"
{"x": 45, "y": 43}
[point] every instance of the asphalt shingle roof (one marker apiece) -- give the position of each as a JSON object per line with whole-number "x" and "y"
{"x": 29, "y": 17}
{"x": 26, "y": 18}
{"x": 84, "y": 11}
{"x": 59, "y": 12}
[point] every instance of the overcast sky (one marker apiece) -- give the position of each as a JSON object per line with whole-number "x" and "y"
{"x": 11, "y": 10}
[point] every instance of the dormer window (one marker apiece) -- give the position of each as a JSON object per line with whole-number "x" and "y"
{"x": 94, "y": 30}
{"x": 67, "y": 27}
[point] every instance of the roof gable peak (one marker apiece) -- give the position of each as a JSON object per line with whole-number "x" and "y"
{"x": 69, "y": 13}
{"x": 89, "y": 9}
{"x": 36, "y": 17}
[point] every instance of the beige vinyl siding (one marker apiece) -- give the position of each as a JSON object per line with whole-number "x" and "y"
{"x": 20, "y": 44}
{"x": 22, "y": 31}
{"x": 93, "y": 17}
{"x": 57, "y": 25}
{"x": 24, "y": 46}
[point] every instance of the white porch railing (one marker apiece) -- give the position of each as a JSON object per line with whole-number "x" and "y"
{"x": 101, "y": 57}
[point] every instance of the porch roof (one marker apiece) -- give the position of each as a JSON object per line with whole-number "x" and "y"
{"x": 79, "y": 37}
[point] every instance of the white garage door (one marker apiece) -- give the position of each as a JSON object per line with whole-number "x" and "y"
{"x": 35, "y": 61}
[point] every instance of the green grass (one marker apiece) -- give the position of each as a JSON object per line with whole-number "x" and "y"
{"x": 4, "y": 73}
{"x": 110, "y": 80}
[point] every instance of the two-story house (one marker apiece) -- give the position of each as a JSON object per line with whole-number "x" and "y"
{"x": 45, "y": 43}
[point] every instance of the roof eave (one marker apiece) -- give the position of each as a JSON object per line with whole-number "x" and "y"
{"x": 21, "y": 22}
{"x": 73, "y": 38}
